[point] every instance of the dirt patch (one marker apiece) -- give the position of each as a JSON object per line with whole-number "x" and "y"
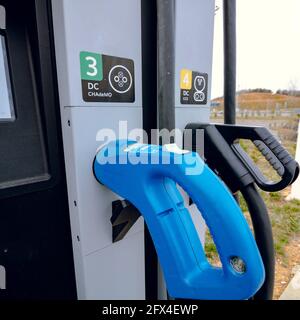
{"x": 286, "y": 266}
{"x": 263, "y": 101}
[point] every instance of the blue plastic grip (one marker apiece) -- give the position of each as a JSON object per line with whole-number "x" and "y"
{"x": 147, "y": 175}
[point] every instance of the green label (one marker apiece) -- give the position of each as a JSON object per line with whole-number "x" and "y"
{"x": 91, "y": 66}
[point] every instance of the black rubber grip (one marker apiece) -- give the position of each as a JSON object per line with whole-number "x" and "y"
{"x": 278, "y": 150}
{"x": 272, "y": 150}
{"x": 270, "y": 157}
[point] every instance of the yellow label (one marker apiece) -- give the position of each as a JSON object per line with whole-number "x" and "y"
{"x": 186, "y": 79}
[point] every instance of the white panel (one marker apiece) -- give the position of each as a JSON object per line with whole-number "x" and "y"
{"x": 96, "y": 26}
{"x": 103, "y": 269}
{"x": 194, "y": 42}
{"x": 114, "y": 258}
{"x": 93, "y": 200}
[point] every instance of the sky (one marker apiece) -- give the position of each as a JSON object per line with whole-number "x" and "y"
{"x": 268, "y": 45}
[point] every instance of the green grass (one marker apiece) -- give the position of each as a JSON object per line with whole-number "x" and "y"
{"x": 210, "y": 247}
{"x": 285, "y": 219}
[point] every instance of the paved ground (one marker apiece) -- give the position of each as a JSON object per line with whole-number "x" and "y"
{"x": 292, "y": 292}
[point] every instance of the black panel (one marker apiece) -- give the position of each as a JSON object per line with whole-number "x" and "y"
{"x": 21, "y": 142}
{"x": 149, "y": 62}
{"x": 35, "y": 236}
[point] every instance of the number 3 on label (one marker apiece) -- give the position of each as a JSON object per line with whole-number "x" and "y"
{"x": 92, "y": 66}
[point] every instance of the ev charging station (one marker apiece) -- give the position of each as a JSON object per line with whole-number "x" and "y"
{"x": 83, "y": 30}
{"x": 95, "y": 73}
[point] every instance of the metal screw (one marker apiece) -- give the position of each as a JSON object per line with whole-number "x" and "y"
{"x": 238, "y": 264}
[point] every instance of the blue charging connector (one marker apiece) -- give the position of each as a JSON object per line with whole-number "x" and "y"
{"x": 147, "y": 176}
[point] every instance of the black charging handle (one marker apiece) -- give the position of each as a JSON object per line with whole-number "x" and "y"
{"x": 272, "y": 150}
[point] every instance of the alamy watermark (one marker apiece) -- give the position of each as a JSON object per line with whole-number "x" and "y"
{"x": 159, "y": 147}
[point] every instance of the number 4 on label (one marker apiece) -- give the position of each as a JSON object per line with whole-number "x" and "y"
{"x": 186, "y": 79}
